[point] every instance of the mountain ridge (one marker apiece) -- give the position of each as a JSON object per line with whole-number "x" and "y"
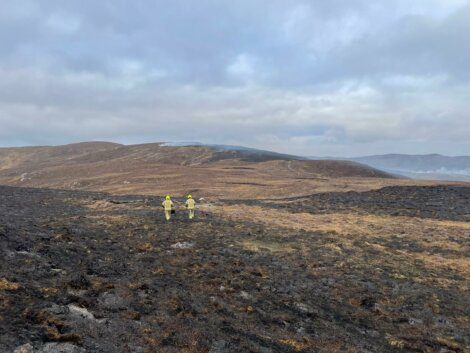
{"x": 152, "y": 167}
{"x": 435, "y": 166}
{"x": 432, "y": 166}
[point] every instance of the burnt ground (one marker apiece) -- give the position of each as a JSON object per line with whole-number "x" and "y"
{"x": 90, "y": 272}
{"x": 435, "y": 202}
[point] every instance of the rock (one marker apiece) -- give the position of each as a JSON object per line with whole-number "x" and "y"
{"x": 136, "y": 349}
{"x": 80, "y": 312}
{"x": 61, "y": 348}
{"x": 111, "y": 301}
{"x": 25, "y": 348}
{"x": 305, "y": 308}
{"x": 182, "y": 245}
{"x": 27, "y": 253}
{"x": 58, "y": 309}
{"x": 245, "y": 295}
{"x": 413, "y": 321}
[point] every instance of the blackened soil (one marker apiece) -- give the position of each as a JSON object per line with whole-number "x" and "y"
{"x": 436, "y": 202}
{"x": 109, "y": 274}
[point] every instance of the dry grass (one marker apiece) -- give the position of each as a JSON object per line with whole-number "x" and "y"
{"x": 297, "y": 346}
{"x": 349, "y": 227}
{"x": 7, "y": 285}
{"x": 155, "y": 170}
{"x": 341, "y": 223}
{"x": 49, "y": 291}
{"x": 256, "y": 245}
{"x": 216, "y": 184}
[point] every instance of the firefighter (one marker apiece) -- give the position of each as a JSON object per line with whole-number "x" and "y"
{"x": 168, "y": 207}
{"x": 190, "y": 205}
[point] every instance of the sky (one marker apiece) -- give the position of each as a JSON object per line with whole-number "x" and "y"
{"x": 315, "y": 78}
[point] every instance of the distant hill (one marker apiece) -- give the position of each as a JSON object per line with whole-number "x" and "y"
{"x": 246, "y": 153}
{"x": 173, "y": 168}
{"x": 431, "y": 166}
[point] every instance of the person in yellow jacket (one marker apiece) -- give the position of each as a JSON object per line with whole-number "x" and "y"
{"x": 168, "y": 206}
{"x": 190, "y": 205}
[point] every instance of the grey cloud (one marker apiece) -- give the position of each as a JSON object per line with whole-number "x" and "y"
{"x": 313, "y": 73}
{"x": 414, "y": 45}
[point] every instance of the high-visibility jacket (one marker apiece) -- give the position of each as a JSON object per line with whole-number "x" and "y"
{"x": 190, "y": 204}
{"x": 168, "y": 205}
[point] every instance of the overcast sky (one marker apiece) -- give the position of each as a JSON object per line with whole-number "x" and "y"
{"x": 337, "y": 77}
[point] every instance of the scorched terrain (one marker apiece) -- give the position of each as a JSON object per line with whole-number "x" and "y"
{"x": 333, "y": 272}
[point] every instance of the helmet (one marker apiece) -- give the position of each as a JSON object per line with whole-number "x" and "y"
{"x": 190, "y": 197}
{"x": 167, "y": 197}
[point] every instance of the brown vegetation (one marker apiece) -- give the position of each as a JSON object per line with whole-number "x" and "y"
{"x": 156, "y": 169}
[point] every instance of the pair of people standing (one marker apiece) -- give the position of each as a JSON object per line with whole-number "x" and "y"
{"x": 168, "y": 206}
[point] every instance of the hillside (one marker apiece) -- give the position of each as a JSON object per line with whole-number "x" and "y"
{"x": 284, "y": 255}
{"x": 431, "y": 166}
{"x": 158, "y": 169}
{"x": 384, "y": 271}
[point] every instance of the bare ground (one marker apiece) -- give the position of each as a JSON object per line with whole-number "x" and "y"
{"x": 336, "y": 272}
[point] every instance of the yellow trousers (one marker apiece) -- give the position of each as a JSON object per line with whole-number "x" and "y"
{"x": 167, "y": 214}
{"x": 191, "y": 213}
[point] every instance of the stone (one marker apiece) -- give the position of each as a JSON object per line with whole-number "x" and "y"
{"x": 245, "y": 295}
{"x": 80, "y": 312}
{"x": 58, "y": 309}
{"x": 305, "y": 308}
{"x": 111, "y": 301}
{"x": 182, "y": 245}
{"x": 61, "y": 348}
{"x": 25, "y": 348}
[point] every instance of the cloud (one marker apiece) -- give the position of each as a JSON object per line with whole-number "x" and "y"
{"x": 307, "y": 77}
{"x": 63, "y": 23}
{"x": 242, "y": 68}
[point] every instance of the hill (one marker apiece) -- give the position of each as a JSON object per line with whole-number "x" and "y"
{"x": 431, "y": 166}
{"x": 158, "y": 168}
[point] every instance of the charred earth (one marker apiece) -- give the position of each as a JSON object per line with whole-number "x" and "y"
{"x": 91, "y": 272}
